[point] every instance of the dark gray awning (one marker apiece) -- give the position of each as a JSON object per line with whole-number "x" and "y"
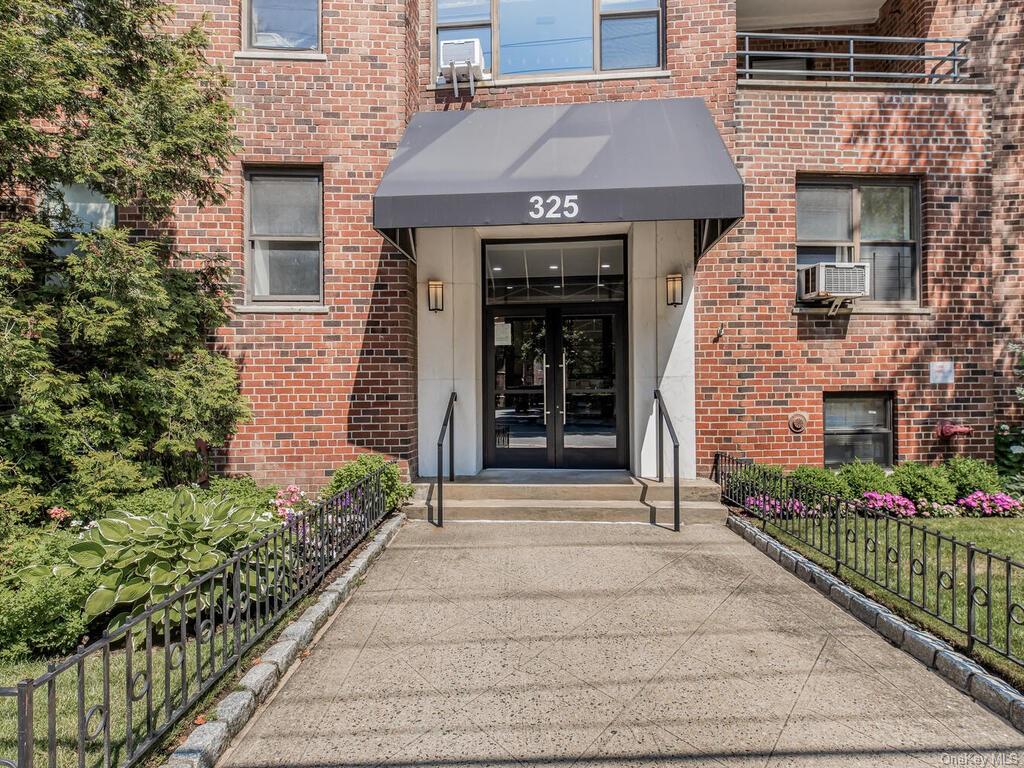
{"x": 577, "y": 163}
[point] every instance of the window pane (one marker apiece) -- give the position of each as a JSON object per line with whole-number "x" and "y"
{"x": 460, "y": 11}
{"x": 483, "y": 34}
{"x": 885, "y": 213}
{"x": 868, "y": 412}
{"x": 823, "y": 213}
{"x": 285, "y": 269}
{"x": 285, "y": 24}
{"x": 893, "y": 271}
{"x": 629, "y": 42}
{"x": 546, "y": 35}
{"x": 610, "y": 6}
{"x": 285, "y": 205}
{"x": 845, "y": 449}
{"x": 88, "y": 209}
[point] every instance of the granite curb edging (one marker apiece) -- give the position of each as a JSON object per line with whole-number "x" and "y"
{"x": 988, "y": 690}
{"x": 209, "y": 741}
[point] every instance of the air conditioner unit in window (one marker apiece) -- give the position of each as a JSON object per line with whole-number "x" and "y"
{"x": 461, "y": 60}
{"x": 834, "y": 282}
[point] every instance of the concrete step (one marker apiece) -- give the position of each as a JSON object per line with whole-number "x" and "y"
{"x": 636, "y": 490}
{"x": 573, "y": 510}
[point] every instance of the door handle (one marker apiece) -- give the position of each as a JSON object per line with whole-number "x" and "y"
{"x": 544, "y": 380}
{"x": 564, "y": 386}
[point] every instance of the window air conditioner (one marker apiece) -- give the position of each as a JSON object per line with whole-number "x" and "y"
{"x": 461, "y": 60}
{"x": 833, "y": 282}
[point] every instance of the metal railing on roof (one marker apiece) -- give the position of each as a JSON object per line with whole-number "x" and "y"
{"x": 852, "y": 58}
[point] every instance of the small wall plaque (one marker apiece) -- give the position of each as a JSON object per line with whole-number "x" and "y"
{"x": 943, "y": 372}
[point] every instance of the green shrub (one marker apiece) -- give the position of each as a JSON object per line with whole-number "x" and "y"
{"x": 139, "y": 561}
{"x": 759, "y": 474}
{"x": 969, "y": 475}
{"x": 863, "y": 476}
{"x": 47, "y": 618}
{"x": 1009, "y": 448}
{"x": 98, "y": 483}
{"x": 1014, "y": 486}
{"x": 396, "y": 491}
{"x": 820, "y": 479}
{"x": 920, "y": 481}
{"x": 242, "y": 490}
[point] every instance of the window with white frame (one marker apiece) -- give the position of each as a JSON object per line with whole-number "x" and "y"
{"x": 553, "y": 37}
{"x": 858, "y": 427}
{"x": 866, "y": 220}
{"x": 282, "y": 25}
{"x": 285, "y": 236}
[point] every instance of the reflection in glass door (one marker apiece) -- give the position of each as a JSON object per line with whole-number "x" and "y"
{"x": 519, "y": 350}
{"x": 589, "y": 389}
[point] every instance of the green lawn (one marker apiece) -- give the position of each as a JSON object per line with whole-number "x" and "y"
{"x": 928, "y": 582}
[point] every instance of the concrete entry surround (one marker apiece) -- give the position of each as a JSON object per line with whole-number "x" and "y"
{"x": 660, "y": 337}
{"x": 606, "y": 645}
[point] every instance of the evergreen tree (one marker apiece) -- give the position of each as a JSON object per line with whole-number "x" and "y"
{"x": 107, "y": 383}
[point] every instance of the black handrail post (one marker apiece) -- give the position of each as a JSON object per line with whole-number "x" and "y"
{"x": 447, "y": 425}
{"x": 661, "y": 450}
{"x": 675, "y": 490}
{"x": 664, "y": 419}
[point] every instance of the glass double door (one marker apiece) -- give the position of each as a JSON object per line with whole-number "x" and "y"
{"x": 555, "y": 378}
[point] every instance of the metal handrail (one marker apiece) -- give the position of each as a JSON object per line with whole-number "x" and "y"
{"x": 955, "y": 58}
{"x": 663, "y": 421}
{"x": 446, "y": 426}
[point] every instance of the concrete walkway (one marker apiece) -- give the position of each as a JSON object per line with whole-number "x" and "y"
{"x": 545, "y": 644}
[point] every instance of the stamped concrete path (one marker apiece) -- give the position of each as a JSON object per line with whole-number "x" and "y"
{"x": 546, "y": 644}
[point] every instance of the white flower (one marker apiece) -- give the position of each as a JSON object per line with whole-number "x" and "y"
{"x": 76, "y": 523}
{"x": 1017, "y": 449}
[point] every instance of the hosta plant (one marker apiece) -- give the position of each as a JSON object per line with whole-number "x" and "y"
{"x": 139, "y": 561}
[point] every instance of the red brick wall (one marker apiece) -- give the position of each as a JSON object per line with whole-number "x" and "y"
{"x": 771, "y": 362}
{"x": 322, "y": 386}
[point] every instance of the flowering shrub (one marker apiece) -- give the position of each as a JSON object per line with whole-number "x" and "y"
{"x": 768, "y": 506}
{"x": 981, "y": 504}
{"x": 890, "y": 504}
{"x": 58, "y": 514}
{"x": 289, "y": 502}
{"x": 927, "y": 508}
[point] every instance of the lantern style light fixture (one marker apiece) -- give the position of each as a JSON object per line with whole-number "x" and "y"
{"x": 674, "y": 290}
{"x": 435, "y": 295}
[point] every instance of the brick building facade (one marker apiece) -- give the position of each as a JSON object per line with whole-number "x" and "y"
{"x": 345, "y": 373}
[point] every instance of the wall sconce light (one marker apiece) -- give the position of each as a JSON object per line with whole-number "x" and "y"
{"x": 674, "y": 290}
{"x": 435, "y": 295}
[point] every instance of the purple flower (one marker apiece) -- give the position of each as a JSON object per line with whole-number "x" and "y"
{"x": 984, "y": 504}
{"x": 890, "y": 504}
{"x": 768, "y": 506}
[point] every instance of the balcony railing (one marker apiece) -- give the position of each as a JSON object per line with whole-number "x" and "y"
{"x": 851, "y": 58}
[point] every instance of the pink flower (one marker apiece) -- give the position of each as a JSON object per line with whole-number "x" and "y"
{"x": 890, "y": 504}
{"x": 991, "y": 505}
{"x": 58, "y": 514}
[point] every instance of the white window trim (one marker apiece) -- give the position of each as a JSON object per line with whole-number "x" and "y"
{"x": 277, "y": 303}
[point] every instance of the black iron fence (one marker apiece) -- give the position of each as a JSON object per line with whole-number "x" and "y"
{"x": 851, "y": 58}
{"x": 112, "y": 701}
{"x": 968, "y": 588}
